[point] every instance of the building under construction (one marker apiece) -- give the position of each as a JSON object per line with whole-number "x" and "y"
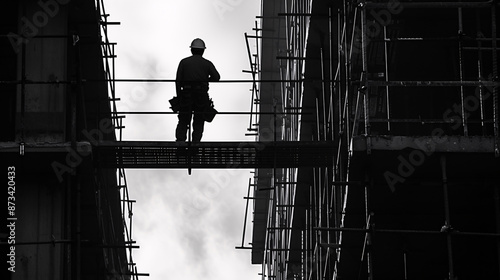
{"x": 404, "y": 96}
{"x": 63, "y": 217}
{"x": 376, "y": 152}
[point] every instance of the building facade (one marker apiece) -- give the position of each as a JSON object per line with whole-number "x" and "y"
{"x": 406, "y": 92}
{"x": 66, "y": 218}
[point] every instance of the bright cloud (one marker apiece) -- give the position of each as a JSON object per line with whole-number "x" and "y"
{"x": 186, "y": 226}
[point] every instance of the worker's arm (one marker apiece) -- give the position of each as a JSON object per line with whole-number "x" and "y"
{"x": 214, "y": 75}
{"x": 178, "y": 79}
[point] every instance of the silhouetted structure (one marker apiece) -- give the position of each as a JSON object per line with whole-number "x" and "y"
{"x": 377, "y": 142}
{"x": 406, "y": 93}
{"x": 68, "y": 218}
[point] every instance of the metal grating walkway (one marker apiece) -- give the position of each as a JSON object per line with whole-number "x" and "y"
{"x": 141, "y": 154}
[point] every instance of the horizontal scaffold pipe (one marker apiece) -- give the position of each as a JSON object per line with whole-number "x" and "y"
{"x": 220, "y": 81}
{"x": 427, "y": 121}
{"x": 452, "y": 38}
{"x": 429, "y": 83}
{"x": 163, "y": 81}
{"x": 219, "y": 113}
{"x": 485, "y": 4}
{"x": 406, "y": 231}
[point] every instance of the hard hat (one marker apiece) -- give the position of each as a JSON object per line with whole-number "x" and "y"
{"x": 198, "y": 44}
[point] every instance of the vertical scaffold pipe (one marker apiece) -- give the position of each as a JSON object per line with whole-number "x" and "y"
{"x": 480, "y": 72}
{"x": 495, "y": 76}
{"x": 387, "y": 97}
{"x": 369, "y": 223}
{"x": 364, "y": 58}
{"x": 447, "y": 227}
{"x": 461, "y": 71}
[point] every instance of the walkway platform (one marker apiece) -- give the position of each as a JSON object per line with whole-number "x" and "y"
{"x": 146, "y": 155}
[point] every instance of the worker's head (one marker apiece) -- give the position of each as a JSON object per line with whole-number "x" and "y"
{"x": 198, "y": 46}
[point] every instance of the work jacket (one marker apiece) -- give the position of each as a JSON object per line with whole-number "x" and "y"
{"x": 194, "y": 73}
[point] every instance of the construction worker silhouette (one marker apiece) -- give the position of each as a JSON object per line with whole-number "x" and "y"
{"x": 193, "y": 75}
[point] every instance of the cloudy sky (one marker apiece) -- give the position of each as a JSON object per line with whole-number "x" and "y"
{"x": 187, "y": 227}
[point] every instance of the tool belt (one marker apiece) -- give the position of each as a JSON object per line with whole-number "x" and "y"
{"x": 195, "y": 87}
{"x": 208, "y": 112}
{"x": 175, "y": 104}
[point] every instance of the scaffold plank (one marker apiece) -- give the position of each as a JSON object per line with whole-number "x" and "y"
{"x": 428, "y": 144}
{"x": 150, "y": 154}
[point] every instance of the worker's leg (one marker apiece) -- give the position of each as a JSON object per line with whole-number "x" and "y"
{"x": 185, "y": 116}
{"x": 199, "y": 120}
{"x": 182, "y": 126}
{"x": 198, "y": 126}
